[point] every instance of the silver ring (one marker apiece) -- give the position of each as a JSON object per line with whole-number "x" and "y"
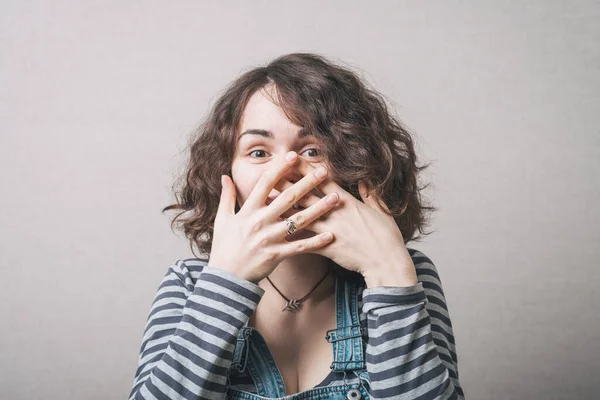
{"x": 291, "y": 226}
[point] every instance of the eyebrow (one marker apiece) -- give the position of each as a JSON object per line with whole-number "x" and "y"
{"x": 302, "y": 133}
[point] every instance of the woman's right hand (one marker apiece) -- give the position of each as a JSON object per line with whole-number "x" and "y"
{"x": 252, "y": 242}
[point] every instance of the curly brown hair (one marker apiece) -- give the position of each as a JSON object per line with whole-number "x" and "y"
{"x": 361, "y": 141}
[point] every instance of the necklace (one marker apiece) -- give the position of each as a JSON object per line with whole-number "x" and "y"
{"x": 296, "y": 304}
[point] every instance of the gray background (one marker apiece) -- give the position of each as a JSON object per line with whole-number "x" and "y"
{"x": 98, "y": 99}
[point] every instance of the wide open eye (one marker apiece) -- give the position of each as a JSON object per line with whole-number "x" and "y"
{"x": 314, "y": 149}
{"x": 253, "y": 151}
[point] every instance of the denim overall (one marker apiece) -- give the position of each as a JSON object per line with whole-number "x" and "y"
{"x": 252, "y": 356}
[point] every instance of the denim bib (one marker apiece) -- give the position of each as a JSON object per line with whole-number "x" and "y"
{"x": 253, "y": 357}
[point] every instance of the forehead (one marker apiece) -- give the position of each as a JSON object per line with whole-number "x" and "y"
{"x": 262, "y": 113}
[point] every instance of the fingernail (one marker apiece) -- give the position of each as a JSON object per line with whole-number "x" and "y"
{"x": 320, "y": 172}
{"x": 332, "y": 198}
{"x": 290, "y": 156}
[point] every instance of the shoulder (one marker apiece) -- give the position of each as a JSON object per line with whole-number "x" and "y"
{"x": 427, "y": 272}
{"x": 423, "y": 263}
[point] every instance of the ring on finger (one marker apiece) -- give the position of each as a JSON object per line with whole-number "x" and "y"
{"x": 292, "y": 227}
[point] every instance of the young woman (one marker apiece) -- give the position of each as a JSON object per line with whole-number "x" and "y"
{"x": 302, "y": 192}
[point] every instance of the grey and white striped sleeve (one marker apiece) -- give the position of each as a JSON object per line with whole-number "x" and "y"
{"x": 411, "y": 352}
{"x": 190, "y": 334}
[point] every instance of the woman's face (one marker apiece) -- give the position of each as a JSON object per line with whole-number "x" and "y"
{"x": 256, "y": 153}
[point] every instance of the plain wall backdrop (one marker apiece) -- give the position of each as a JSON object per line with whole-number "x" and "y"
{"x": 99, "y": 97}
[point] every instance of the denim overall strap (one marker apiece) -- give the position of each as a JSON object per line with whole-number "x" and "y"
{"x": 252, "y": 356}
{"x": 347, "y": 337}
{"x": 262, "y": 368}
{"x": 240, "y": 354}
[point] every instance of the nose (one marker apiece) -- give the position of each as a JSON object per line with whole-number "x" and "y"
{"x": 292, "y": 173}
{"x": 292, "y": 176}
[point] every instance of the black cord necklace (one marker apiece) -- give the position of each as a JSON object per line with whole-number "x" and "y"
{"x": 293, "y": 304}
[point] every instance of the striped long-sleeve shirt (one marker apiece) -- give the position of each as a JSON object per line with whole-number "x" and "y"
{"x": 191, "y": 331}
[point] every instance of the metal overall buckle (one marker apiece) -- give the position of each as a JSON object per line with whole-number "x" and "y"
{"x": 329, "y": 332}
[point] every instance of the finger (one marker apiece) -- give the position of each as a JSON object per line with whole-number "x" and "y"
{"x": 311, "y": 225}
{"x": 327, "y": 185}
{"x": 305, "y": 217}
{"x": 289, "y": 212}
{"x": 294, "y": 193}
{"x": 307, "y": 200}
{"x": 268, "y": 179}
{"x": 228, "y": 196}
{"x": 293, "y": 211}
{"x": 306, "y": 245}
{"x": 315, "y": 226}
{"x": 284, "y": 183}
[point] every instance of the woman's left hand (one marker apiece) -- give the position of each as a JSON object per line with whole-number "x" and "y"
{"x": 366, "y": 239}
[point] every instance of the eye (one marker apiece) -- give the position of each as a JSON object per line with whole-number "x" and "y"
{"x": 314, "y": 149}
{"x": 254, "y": 151}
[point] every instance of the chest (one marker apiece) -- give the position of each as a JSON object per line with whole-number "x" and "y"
{"x": 297, "y": 344}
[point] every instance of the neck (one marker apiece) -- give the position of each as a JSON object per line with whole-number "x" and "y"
{"x": 296, "y": 276}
